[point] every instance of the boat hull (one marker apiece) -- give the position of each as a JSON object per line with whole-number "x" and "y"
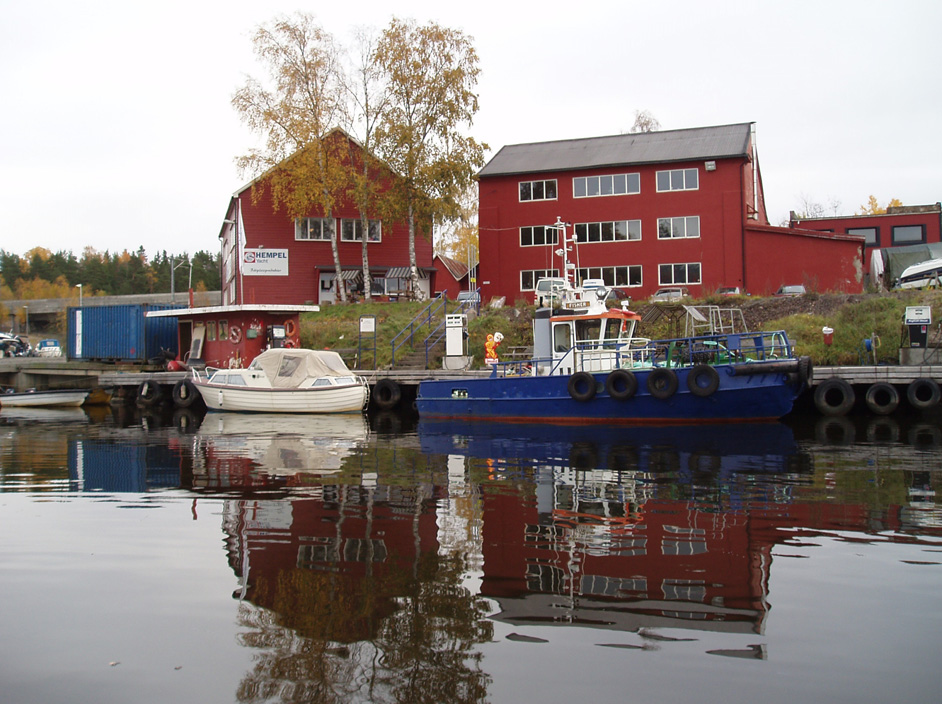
{"x": 35, "y": 399}
{"x": 335, "y": 399}
{"x": 756, "y": 395}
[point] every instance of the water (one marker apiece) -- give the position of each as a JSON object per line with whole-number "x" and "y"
{"x": 241, "y": 558}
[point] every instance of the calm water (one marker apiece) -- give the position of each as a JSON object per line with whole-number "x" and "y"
{"x": 269, "y": 558}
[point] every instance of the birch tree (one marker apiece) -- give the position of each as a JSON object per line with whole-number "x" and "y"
{"x": 431, "y": 73}
{"x": 301, "y": 102}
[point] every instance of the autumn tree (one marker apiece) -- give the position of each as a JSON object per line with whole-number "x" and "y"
{"x": 304, "y": 101}
{"x": 458, "y": 237}
{"x": 873, "y": 207}
{"x": 431, "y": 73}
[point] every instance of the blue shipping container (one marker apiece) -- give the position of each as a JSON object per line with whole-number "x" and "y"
{"x": 121, "y": 333}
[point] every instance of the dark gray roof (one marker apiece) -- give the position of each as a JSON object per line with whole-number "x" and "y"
{"x": 642, "y": 148}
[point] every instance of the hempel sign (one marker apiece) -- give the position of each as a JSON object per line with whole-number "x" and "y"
{"x": 265, "y": 262}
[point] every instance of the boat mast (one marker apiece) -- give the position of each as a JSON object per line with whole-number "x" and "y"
{"x": 563, "y": 252}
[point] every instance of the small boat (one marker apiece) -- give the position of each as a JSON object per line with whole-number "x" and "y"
{"x": 52, "y": 397}
{"x": 589, "y": 366}
{"x": 927, "y": 274}
{"x": 284, "y": 380}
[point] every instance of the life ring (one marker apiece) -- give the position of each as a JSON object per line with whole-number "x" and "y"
{"x": 185, "y": 394}
{"x": 386, "y": 393}
{"x": 662, "y": 383}
{"x": 882, "y": 398}
{"x": 621, "y": 385}
{"x": 834, "y": 397}
{"x": 923, "y": 394}
{"x": 582, "y": 386}
{"x": 703, "y": 380}
{"x": 235, "y": 334}
{"x": 149, "y": 393}
{"x": 290, "y": 327}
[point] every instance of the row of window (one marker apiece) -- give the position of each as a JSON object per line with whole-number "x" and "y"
{"x": 680, "y": 274}
{"x": 612, "y": 231}
{"x": 901, "y": 234}
{"x": 351, "y": 229}
{"x": 611, "y": 185}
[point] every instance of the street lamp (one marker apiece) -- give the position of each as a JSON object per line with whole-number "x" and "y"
{"x": 173, "y": 267}
{"x": 26, "y": 308}
{"x": 79, "y": 287}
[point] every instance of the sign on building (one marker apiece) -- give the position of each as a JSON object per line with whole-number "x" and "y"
{"x": 265, "y": 262}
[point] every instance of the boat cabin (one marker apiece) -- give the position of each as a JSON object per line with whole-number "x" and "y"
{"x": 232, "y": 336}
{"x": 922, "y": 275}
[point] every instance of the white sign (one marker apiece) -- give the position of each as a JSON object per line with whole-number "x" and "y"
{"x": 265, "y": 262}
{"x": 918, "y": 315}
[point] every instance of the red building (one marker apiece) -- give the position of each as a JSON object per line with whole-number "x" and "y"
{"x": 271, "y": 258}
{"x": 902, "y": 226}
{"x": 674, "y": 208}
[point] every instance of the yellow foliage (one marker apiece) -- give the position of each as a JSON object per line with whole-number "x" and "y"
{"x": 873, "y": 207}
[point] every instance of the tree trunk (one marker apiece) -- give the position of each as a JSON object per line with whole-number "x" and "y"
{"x": 413, "y": 267}
{"x": 367, "y": 281}
{"x": 338, "y": 272}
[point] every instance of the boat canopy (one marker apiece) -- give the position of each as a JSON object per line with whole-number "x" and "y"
{"x": 289, "y": 367}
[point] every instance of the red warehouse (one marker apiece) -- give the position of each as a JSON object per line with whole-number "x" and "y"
{"x": 271, "y": 258}
{"x": 674, "y": 208}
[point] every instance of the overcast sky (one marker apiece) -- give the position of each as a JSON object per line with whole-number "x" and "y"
{"x": 117, "y": 131}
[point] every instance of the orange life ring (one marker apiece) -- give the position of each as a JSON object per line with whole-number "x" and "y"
{"x": 289, "y": 343}
{"x": 235, "y": 334}
{"x": 290, "y": 327}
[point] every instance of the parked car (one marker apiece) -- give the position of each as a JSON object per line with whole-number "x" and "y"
{"x": 671, "y": 294}
{"x": 470, "y": 297}
{"x": 547, "y": 291}
{"x": 49, "y": 348}
{"x": 796, "y": 290}
{"x": 729, "y": 291}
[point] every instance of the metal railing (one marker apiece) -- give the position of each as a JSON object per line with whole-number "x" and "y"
{"x": 424, "y": 317}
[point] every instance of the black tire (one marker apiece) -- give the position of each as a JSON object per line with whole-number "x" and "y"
{"x": 834, "y": 397}
{"x": 621, "y": 385}
{"x": 185, "y": 394}
{"x": 703, "y": 380}
{"x": 805, "y": 370}
{"x": 923, "y": 394}
{"x": 662, "y": 383}
{"x": 386, "y": 394}
{"x": 882, "y": 398}
{"x": 835, "y": 430}
{"x": 149, "y": 393}
{"x": 582, "y": 386}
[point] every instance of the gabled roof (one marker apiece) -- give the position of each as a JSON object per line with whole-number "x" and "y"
{"x": 643, "y": 148}
{"x": 458, "y": 270}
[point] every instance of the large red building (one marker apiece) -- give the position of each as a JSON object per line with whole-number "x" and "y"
{"x": 673, "y": 208}
{"x": 271, "y": 258}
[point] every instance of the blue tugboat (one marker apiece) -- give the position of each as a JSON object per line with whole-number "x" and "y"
{"x": 589, "y": 366}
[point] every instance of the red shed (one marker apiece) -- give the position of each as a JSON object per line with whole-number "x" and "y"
{"x": 681, "y": 207}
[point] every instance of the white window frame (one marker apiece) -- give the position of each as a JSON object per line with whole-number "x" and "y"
{"x": 304, "y": 227}
{"x": 606, "y": 185}
{"x": 354, "y": 231}
{"x": 536, "y": 275}
{"x": 678, "y": 227}
{"x": 548, "y": 238}
{"x": 686, "y": 276}
{"x": 613, "y": 276}
{"x": 678, "y": 180}
{"x": 611, "y": 226}
{"x": 530, "y": 185}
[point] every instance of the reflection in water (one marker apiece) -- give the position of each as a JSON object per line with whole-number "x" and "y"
{"x": 375, "y": 564}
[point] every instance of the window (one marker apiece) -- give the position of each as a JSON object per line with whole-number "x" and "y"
{"x": 538, "y": 190}
{"x": 538, "y": 235}
{"x": 223, "y": 329}
{"x": 529, "y": 278}
{"x": 616, "y": 231}
{"x": 313, "y": 228}
{"x": 669, "y": 274}
{"x": 211, "y": 331}
{"x": 678, "y": 180}
{"x": 871, "y": 235}
{"x": 613, "y": 276}
{"x": 674, "y": 228}
{"x": 609, "y": 185}
{"x": 909, "y": 234}
{"x": 351, "y": 230}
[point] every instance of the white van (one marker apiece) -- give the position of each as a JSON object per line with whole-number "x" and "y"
{"x": 546, "y": 294}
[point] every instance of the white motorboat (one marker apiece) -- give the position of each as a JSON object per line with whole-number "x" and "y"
{"x": 53, "y": 397}
{"x": 285, "y": 380}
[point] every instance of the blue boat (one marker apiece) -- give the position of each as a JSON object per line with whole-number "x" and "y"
{"x": 589, "y": 366}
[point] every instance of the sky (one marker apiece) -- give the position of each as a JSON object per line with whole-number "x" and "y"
{"x": 117, "y": 129}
